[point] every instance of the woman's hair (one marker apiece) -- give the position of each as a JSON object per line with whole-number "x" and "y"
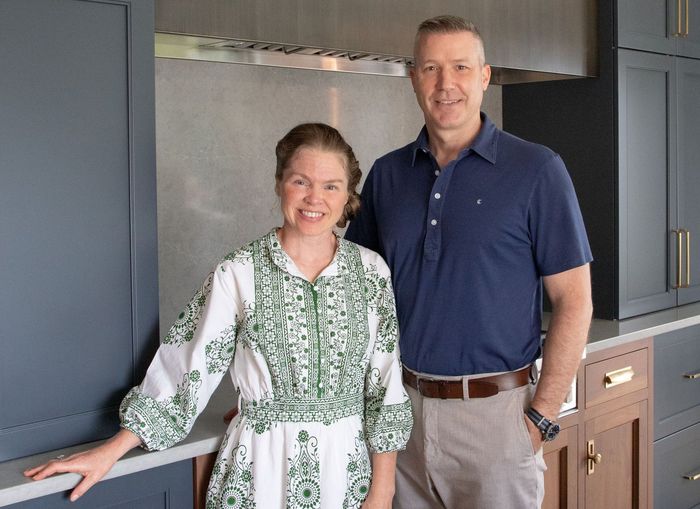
{"x": 328, "y": 139}
{"x": 448, "y": 24}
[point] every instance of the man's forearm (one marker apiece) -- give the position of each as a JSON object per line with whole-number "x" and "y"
{"x": 565, "y": 341}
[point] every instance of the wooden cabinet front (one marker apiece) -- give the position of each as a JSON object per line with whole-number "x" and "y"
{"x": 561, "y": 457}
{"x": 616, "y": 458}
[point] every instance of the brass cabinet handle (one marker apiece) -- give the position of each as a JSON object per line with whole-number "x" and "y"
{"x": 593, "y": 458}
{"x": 692, "y": 375}
{"x": 619, "y": 376}
{"x": 692, "y": 477}
{"x": 679, "y": 32}
{"x": 687, "y": 15}
{"x": 687, "y": 259}
{"x": 679, "y": 258}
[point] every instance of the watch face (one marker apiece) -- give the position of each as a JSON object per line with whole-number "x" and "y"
{"x": 551, "y": 432}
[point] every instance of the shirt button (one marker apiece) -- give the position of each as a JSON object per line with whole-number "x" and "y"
{"x": 437, "y": 196}
{"x": 437, "y": 172}
{"x": 433, "y": 222}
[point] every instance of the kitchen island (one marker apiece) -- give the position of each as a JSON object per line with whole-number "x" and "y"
{"x": 207, "y": 432}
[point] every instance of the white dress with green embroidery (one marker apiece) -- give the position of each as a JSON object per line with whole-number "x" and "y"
{"x": 317, "y": 368}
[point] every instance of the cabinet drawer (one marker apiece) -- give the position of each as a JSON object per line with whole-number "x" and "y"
{"x": 676, "y": 457}
{"x": 614, "y": 377}
{"x": 676, "y": 390}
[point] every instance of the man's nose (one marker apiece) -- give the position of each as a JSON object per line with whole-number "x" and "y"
{"x": 445, "y": 79}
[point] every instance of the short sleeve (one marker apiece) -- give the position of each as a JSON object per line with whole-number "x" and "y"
{"x": 555, "y": 222}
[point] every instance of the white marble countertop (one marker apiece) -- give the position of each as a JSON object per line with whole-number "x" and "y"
{"x": 608, "y": 333}
{"x": 207, "y": 432}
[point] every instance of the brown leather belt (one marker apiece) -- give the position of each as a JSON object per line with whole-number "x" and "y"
{"x": 478, "y": 387}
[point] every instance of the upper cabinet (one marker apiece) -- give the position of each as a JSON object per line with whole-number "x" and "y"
{"x": 671, "y": 27}
{"x": 629, "y": 140}
{"x": 79, "y": 294}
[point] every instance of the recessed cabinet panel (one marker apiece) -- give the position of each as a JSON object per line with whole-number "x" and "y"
{"x": 688, "y": 79}
{"x": 646, "y": 158}
{"x": 689, "y": 44}
{"x": 644, "y": 24}
{"x": 677, "y": 470}
{"x": 78, "y": 278}
{"x": 615, "y": 377}
{"x": 676, "y": 381}
{"x": 619, "y": 478}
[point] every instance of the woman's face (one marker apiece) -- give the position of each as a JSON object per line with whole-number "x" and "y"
{"x": 313, "y": 192}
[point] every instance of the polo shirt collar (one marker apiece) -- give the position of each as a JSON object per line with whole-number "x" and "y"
{"x": 485, "y": 143}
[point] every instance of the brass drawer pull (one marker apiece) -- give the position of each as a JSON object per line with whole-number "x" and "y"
{"x": 619, "y": 376}
{"x": 692, "y": 375}
{"x": 692, "y": 477}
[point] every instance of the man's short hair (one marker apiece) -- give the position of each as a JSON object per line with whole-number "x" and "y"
{"x": 449, "y": 24}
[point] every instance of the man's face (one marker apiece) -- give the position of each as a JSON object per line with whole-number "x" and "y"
{"x": 449, "y": 80}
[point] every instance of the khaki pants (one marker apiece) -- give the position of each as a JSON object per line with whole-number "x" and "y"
{"x": 470, "y": 454}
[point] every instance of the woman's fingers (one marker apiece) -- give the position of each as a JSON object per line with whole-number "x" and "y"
{"x": 33, "y": 470}
{"x": 52, "y": 467}
{"x": 88, "y": 482}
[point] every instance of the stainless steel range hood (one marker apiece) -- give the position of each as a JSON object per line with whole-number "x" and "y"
{"x": 526, "y": 40}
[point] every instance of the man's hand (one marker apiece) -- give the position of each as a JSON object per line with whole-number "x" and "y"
{"x": 535, "y": 434}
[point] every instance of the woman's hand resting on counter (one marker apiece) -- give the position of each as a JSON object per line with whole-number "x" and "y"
{"x": 92, "y": 464}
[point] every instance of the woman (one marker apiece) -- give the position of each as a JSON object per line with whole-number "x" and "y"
{"x": 305, "y": 323}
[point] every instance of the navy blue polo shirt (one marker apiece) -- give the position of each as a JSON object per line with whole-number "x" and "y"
{"x": 467, "y": 245}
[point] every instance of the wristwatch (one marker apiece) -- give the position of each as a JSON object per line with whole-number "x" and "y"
{"x": 549, "y": 429}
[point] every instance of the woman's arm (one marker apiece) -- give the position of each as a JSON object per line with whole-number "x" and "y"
{"x": 92, "y": 464}
{"x": 381, "y": 491}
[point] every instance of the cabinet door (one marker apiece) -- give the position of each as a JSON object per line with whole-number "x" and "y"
{"x": 78, "y": 276}
{"x": 166, "y": 487}
{"x": 677, "y": 470}
{"x": 688, "y": 82}
{"x": 561, "y": 455}
{"x": 647, "y": 163}
{"x": 689, "y": 44}
{"x": 647, "y": 25}
{"x": 676, "y": 390}
{"x": 619, "y": 480}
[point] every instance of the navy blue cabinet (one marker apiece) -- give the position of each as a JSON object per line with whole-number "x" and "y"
{"x": 78, "y": 243}
{"x": 629, "y": 140}
{"x": 166, "y": 487}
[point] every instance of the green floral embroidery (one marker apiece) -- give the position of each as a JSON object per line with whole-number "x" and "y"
{"x": 219, "y": 352}
{"x": 304, "y": 475}
{"x": 160, "y": 424}
{"x": 241, "y": 256}
{"x": 359, "y": 475}
{"x": 231, "y": 484}
{"x": 184, "y": 327}
{"x": 387, "y": 426}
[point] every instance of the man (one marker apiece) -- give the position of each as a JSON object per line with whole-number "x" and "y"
{"x": 470, "y": 220}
